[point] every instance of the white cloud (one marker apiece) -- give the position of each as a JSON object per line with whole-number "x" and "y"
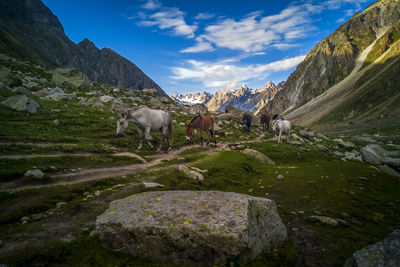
{"x": 221, "y": 73}
{"x": 170, "y": 18}
{"x": 254, "y": 33}
{"x": 204, "y": 16}
{"x": 336, "y": 4}
{"x": 201, "y": 46}
{"x": 152, "y": 5}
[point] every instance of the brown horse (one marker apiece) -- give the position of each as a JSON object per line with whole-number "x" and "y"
{"x": 201, "y": 123}
{"x": 264, "y": 120}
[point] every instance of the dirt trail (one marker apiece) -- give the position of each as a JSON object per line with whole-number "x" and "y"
{"x": 36, "y": 144}
{"x": 60, "y": 154}
{"x": 100, "y": 173}
{"x": 334, "y": 96}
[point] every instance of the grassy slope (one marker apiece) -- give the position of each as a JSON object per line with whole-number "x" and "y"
{"x": 375, "y": 101}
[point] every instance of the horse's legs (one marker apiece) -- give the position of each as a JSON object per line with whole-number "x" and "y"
{"x": 147, "y": 136}
{"x": 140, "y": 138}
{"x": 209, "y": 136}
{"x": 280, "y": 137}
{"x": 163, "y": 136}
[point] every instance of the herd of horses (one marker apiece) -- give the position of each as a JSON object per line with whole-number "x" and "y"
{"x": 147, "y": 120}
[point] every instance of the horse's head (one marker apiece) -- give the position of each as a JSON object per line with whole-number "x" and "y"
{"x": 122, "y": 123}
{"x": 274, "y": 125}
{"x": 189, "y": 131}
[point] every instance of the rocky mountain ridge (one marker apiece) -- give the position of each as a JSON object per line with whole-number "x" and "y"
{"x": 244, "y": 98}
{"x": 335, "y": 57}
{"x": 192, "y": 98}
{"x": 30, "y": 31}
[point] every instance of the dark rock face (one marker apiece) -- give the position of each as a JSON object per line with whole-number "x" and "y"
{"x": 332, "y": 59}
{"x": 28, "y": 29}
{"x": 384, "y": 253}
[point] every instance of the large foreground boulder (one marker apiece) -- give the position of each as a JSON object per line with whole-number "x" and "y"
{"x": 194, "y": 228}
{"x": 385, "y": 253}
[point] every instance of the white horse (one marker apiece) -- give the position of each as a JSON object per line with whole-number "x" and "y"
{"x": 147, "y": 119}
{"x": 282, "y": 127}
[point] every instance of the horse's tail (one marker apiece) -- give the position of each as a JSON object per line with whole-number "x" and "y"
{"x": 170, "y": 131}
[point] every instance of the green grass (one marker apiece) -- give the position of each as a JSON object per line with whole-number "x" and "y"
{"x": 11, "y": 169}
{"x": 312, "y": 182}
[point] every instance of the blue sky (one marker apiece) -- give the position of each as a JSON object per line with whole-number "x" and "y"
{"x": 190, "y": 46}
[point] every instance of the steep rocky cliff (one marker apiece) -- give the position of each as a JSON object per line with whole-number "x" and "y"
{"x": 30, "y": 31}
{"x": 334, "y": 58}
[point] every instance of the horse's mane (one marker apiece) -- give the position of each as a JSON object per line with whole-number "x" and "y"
{"x": 194, "y": 118}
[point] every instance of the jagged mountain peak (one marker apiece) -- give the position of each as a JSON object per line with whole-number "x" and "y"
{"x": 41, "y": 38}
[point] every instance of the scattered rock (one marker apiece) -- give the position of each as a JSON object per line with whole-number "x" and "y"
{"x": 93, "y": 234}
{"x": 258, "y": 156}
{"x": 199, "y": 170}
{"x": 338, "y": 154}
{"x": 306, "y": 133}
{"x": 194, "y": 228}
{"x": 198, "y": 109}
{"x": 375, "y": 154}
{"x": 151, "y": 184}
{"x": 386, "y": 169}
{"x": 353, "y": 155}
{"x": 25, "y": 220}
{"x": 116, "y": 90}
{"x": 56, "y": 122}
{"x": 70, "y": 77}
{"x": 346, "y": 145}
{"x": 324, "y": 220}
{"x": 39, "y": 216}
{"x": 280, "y": 177}
{"x": 393, "y": 162}
{"x": 322, "y": 136}
{"x": 106, "y": 98}
{"x": 191, "y": 173}
{"x": 321, "y": 148}
{"x": 21, "y": 103}
{"x": 61, "y": 205}
{"x": 383, "y": 253}
{"x": 97, "y": 193}
{"x": 35, "y": 173}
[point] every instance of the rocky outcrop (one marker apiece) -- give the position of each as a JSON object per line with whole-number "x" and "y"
{"x": 21, "y": 103}
{"x": 193, "y": 228}
{"x": 385, "y": 253}
{"x": 332, "y": 59}
{"x": 70, "y": 77}
{"x": 198, "y": 109}
{"x": 29, "y": 30}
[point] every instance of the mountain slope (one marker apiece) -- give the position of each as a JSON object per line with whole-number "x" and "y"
{"x": 29, "y": 30}
{"x": 367, "y": 98}
{"x": 335, "y": 57}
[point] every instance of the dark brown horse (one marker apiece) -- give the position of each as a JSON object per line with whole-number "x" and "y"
{"x": 201, "y": 123}
{"x": 265, "y": 118}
